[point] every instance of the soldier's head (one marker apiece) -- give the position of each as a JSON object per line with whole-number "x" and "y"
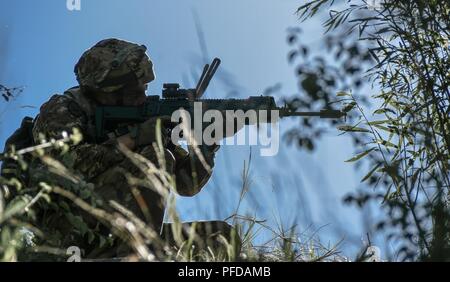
{"x": 115, "y": 72}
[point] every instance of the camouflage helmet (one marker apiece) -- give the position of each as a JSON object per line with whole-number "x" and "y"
{"x": 112, "y": 63}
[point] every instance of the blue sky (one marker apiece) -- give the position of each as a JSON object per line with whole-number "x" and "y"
{"x": 42, "y": 41}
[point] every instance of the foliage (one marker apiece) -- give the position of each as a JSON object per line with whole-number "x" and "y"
{"x": 25, "y": 238}
{"x": 401, "y": 49}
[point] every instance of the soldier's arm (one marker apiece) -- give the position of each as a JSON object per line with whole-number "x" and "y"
{"x": 190, "y": 172}
{"x": 61, "y": 114}
{"x": 145, "y": 133}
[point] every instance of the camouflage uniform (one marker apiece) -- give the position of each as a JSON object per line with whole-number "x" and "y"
{"x": 102, "y": 164}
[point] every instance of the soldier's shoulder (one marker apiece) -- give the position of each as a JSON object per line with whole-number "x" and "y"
{"x": 72, "y": 101}
{"x": 56, "y": 103}
{"x": 61, "y": 112}
{"x": 75, "y": 95}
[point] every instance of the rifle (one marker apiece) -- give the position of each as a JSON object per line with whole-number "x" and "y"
{"x": 109, "y": 118}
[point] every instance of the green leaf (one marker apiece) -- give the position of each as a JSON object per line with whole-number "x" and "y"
{"x": 414, "y": 177}
{"x": 359, "y": 156}
{"x": 409, "y": 138}
{"x": 102, "y": 241}
{"x": 383, "y": 128}
{"x": 85, "y": 194}
{"x": 352, "y": 128}
{"x": 78, "y": 223}
{"x": 64, "y": 205}
{"x": 76, "y": 136}
{"x": 348, "y": 107}
{"x": 91, "y": 237}
{"x": 383, "y": 30}
{"x": 5, "y": 235}
{"x": 16, "y": 206}
{"x": 46, "y": 197}
{"x": 384, "y": 110}
{"x": 386, "y": 143}
{"x": 342, "y": 93}
{"x": 378, "y": 122}
{"x": 370, "y": 172}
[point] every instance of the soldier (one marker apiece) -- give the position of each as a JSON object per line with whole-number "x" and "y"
{"x": 113, "y": 72}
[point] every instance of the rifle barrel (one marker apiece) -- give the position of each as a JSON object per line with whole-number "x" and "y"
{"x": 321, "y": 114}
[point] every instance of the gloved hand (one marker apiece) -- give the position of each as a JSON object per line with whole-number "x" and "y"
{"x": 145, "y": 133}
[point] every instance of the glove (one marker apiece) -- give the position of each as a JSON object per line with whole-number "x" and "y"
{"x": 145, "y": 133}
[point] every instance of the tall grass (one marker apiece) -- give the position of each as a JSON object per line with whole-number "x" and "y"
{"x": 20, "y": 235}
